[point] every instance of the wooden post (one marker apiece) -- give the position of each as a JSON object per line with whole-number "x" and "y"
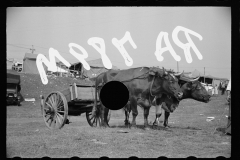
{"x": 177, "y": 67}
{"x": 204, "y": 74}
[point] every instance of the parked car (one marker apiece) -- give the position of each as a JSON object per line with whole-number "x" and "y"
{"x": 17, "y": 67}
{"x": 13, "y": 89}
{"x": 13, "y": 96}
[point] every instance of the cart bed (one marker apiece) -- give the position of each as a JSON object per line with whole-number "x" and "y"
{"x": 78, "y": 92}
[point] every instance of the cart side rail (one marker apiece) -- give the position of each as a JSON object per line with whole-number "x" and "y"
{"x": 68, "y": 94}
{"x": 81, "y": 92}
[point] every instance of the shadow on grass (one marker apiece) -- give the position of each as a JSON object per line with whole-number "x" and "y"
{"x": 151, "y": 127}
{"x": 190, "y": 128}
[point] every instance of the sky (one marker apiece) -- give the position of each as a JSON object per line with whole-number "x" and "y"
{"x": 55, "y": 27}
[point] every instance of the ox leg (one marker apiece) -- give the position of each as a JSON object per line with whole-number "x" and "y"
{"x": 106, "y": 110}
{"x": 158, "y": 114}
{"x": 102, "y": 116}
{"x": 126, "y": 121}
{"x": 127, "y": 113}
{"x": 134, "y": 112}
{"x": 166, "y": 115}
{"x": 146, "y": 113}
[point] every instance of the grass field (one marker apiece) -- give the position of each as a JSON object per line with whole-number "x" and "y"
{"x": 189, "y": 135}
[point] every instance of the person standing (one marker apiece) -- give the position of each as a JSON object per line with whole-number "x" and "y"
{"x": 216, "y": 89}
{"x": 223, "y": 87}
{"x": 206, "y": 87}
{"x": 228, "y": 129}
{"x": 213, "y": 90}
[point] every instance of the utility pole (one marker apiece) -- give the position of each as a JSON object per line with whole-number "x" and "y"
{"x": 32, "y": 49}
{"x": 204, "y": 74}
{"x": 177, "y": 66}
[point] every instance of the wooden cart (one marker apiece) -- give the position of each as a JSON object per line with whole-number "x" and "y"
{"x": 74, "y": 101}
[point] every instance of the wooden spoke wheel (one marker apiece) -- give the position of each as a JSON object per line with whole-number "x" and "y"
{"x": 95, "y": 120}
{"x": 55, "y": 110}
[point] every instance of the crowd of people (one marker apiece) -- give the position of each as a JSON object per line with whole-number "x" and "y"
{"x": 227, "y": 129}
{"x": 215, "y": 89}
{"x": 224, "y": 87}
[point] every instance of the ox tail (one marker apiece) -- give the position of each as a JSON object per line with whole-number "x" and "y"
{"x": 127, "y": 107}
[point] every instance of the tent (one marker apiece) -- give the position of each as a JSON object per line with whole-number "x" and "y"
{"x": 197, "y": 73}
{"x": 29, "y": 64}
{"x": 209, "y": 79}
{"x": 76, "y": 68}
{"x": 203, "y": 78}
{"x": 96, "y": 67}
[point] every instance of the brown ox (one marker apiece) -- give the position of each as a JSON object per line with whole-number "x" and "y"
{"x": 143, "y": 84}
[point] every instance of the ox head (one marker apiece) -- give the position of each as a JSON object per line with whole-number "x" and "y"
{"x": 166, "y": 82}
{"x": 196, "y": 90}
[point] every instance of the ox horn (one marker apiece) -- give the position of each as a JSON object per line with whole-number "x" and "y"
{"x": 178, "y": 74}
{"x": 164, "y": 71}
{"x": 192, "y": 80}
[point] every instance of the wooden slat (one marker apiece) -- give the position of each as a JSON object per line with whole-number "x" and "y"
{"x": 71, "y": 92}
{"x": 75, "y": 89}
{"x": 85, "y": 85}
{"x": 86, "y": 93}
{"x": 67, "y": 94}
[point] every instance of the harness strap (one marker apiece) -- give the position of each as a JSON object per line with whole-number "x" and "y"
{"x": 151, "y": 87}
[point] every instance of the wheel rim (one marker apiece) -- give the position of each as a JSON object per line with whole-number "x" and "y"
{"x": 93, "y": 121}
{"x": 109, "y": 115}
{"x": 55, "y": 110}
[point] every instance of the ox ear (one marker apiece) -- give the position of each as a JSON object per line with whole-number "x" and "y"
{"x": 153, "y": 71}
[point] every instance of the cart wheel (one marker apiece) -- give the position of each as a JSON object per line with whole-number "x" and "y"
{"x": 55, "y": 110}
{"x": 95, "y": 121}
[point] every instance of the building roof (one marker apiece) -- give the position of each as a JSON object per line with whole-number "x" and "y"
{"x": 30, "y": 56}
{"x": 197, "y": 73}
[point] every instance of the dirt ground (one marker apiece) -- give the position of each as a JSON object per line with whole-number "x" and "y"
{"x": 189, "y": 135}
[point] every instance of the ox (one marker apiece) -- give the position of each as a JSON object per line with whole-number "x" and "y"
{"x": 192, "y": 89}
{"x": 143, "y": 84}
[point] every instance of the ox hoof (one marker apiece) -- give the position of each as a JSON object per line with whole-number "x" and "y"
{"x": 104, "y": 125}
{"x": 127, "y": 123}
{"x": 147, "y": 128}
{"x": 166, "y": 126}
{"x": 133, "y": 126}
